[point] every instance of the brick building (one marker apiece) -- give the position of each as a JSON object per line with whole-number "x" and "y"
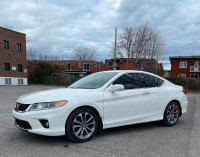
{"x": 148, "y": 65}
{"x": 79, "y": 67}
{"x": 13, "y": 65}
{"x": 167, "y": 73}
{"x": 185, "y": 66}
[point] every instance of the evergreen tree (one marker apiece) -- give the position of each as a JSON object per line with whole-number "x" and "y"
{"x": 160, "y": 70}
{"x": 44, "y": 69}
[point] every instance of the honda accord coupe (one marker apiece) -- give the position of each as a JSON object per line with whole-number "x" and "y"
{"x": 99, "y": 101}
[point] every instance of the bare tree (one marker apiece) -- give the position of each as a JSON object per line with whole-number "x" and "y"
{"x": 81, "y": 53}
{"x": 126, "y": 39}
{"x": 31, "y": 55}
{"x": 141, "y": 42}
{"x": 119, "y": 54}
{"x": 148, "y": 43}
{"x": 33, "y": 59}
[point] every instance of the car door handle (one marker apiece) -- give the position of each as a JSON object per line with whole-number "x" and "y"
{"x": 145, "y": 93}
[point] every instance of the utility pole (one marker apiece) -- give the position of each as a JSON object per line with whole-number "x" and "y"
{"x": 114, "y": 65}
{"x": 156, "y": 65}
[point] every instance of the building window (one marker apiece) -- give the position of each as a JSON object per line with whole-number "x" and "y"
{"x": 6, "y": 44}
{"x": 19, "y": 68}
{"x": 74, "y": 64}
{"x": 148, "y": 64}
{"x": 68, "y": 66}
{"x": 86, "y": 66}
{"x": 7, "y": 66}
{"x": 19, "y": 47}
{"x": 196, "y": 76}
{"x": 7, "y": 81}
{"x": 20, "y": 81}
{"x": 79, "y": 64}
{"x": 96, "y": 67}
{"x": 183, "y": 64}
{"x": 196, "y": 64}
{"x": 57, "y": 63}
{"x": 110, "y": 64}
{"x": 181, "y": 75}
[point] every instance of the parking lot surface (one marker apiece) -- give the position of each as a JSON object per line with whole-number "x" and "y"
{"x": 143, "y": 140}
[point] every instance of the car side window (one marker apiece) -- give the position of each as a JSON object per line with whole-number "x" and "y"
{"x": 152, "y": 81}
{"x": 125, "y": 80}
{"x": 138, "y": 80}
{"x": 131, "y": 81}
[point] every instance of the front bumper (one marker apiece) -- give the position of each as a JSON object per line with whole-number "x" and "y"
{"x": 56, "y": 117}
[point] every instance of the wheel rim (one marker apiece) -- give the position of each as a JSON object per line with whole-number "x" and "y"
{"x": 172, "y": 114}
{"x": 83, "y": 125}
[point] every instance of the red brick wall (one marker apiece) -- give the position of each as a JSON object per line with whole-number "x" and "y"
{"x": 95, "y": 66}
{"x": 11, "y": 55}
{"x": 175, "y": 62}
{"x": 106, "y": 65}
{"x": 129, "y": 64}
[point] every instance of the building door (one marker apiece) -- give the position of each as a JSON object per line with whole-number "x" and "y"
{"x": 68, "y": 66}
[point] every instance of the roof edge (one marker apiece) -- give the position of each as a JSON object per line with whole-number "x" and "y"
{"x": 176, "y": 57}
{"x": 12, "y": 30}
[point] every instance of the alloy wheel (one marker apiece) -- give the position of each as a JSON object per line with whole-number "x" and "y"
{"x": 172, "y": 114}
{"x": 83, "y": 125}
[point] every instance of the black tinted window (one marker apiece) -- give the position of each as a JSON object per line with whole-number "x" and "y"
{"x": 125, "y": 80}
{"x": 138, "y": 80}
{"x": 152, "y": 81}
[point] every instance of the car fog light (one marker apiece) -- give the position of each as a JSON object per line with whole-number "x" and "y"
{"x": 44, "y": 123}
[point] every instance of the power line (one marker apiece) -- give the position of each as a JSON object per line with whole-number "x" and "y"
{"x": 106, "y": 28}
{"x": 174, "y": 45}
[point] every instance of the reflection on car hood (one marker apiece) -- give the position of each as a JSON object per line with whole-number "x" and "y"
{"x": 51, "y": 95}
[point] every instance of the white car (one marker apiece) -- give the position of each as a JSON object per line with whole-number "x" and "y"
{"x": 99, "y": 101}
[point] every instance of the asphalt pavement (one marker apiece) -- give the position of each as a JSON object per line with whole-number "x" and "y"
{"x": 143, "y": 140}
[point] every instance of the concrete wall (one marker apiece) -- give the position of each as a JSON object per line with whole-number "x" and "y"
{"x": 14, "y": 81}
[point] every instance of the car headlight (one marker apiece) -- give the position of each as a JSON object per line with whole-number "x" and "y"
{"x": 47, "y": 105}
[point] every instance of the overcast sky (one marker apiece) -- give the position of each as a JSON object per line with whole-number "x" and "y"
{"x": 56, "y": 27}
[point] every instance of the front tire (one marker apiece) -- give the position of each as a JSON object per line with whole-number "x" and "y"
{"x": 82, "y": 125}
{"x": 171, "y": 114}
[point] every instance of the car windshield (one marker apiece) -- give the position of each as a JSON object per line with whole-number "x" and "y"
{"x": 94, "y": 81}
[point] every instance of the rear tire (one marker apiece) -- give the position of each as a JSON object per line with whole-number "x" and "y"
{"x": 171, "y": 114}
{"x": 81, "y": 125}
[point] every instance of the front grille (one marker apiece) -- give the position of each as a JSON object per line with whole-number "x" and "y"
{"x": 21, "y": 107}
{"x": 24, "y": 125}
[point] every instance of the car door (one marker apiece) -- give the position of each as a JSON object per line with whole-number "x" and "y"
{"x": 131, "y": 105}
{"x": 158, "y": 96}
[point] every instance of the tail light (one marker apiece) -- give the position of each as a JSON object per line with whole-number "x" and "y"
{"x": 184, "y": 91}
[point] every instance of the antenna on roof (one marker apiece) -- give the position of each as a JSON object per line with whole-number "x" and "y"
{"x": 8, "y": 27}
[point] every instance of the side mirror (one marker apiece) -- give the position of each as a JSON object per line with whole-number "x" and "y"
{"x": 116, "y": 87}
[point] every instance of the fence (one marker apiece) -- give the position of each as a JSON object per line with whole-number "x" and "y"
{"x": 55, "y": 80}
{"x": 188, "y": 84}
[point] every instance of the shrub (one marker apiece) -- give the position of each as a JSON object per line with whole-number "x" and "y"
{"x": 189, "y": 84}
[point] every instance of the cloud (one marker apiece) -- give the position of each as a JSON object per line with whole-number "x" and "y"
{"x": 56, "y": 27}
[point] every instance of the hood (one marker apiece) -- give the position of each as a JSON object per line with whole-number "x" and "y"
{"x": 51, "y": 95}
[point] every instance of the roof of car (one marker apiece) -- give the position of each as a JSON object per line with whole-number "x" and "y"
{"x": 124, "y": 71}
{"x": 134, "y": 71}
